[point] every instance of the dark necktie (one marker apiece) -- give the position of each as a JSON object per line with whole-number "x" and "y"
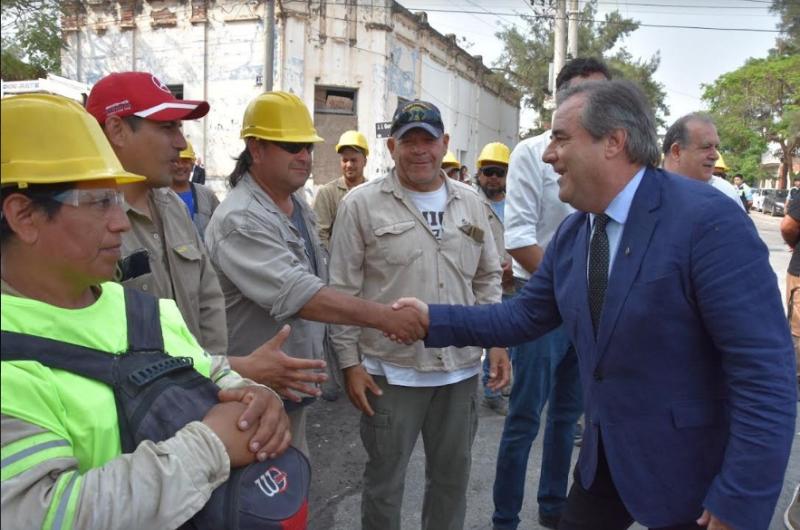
{"x": 598, "y": 268}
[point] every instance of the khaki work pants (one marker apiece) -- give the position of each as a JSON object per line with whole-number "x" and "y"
{"x": 448, "y": 420}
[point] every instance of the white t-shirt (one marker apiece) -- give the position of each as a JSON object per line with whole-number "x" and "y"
{"x": 533, "y": 210}
{"x": 431, "y": 205}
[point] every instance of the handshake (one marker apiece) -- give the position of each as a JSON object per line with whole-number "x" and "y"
{"x": 407, "y": 322}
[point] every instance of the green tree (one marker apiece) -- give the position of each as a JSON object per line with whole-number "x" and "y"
{"x": 756, "y": 106}
{"x": 788, "y": 43}
{"x": 528, "y": 52}
{"x": 31, "y": 38}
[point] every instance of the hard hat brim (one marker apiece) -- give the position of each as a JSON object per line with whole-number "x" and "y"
{"x": 120, "y": 177}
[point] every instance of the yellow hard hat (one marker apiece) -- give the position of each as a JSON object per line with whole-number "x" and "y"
{"x": 51, "y": 139}
{"x": 720, "y": 163}
{"x": 450, "y": 161}
{"x": 494, "y": 153}
{"x": 279, "y": 116}
{"x": 353, "y": 139}
{"x": 188, "y": 153}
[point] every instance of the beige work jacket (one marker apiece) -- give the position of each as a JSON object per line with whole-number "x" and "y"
{"x": 179, "y": 267}
{"x": 325, "y": 206}
{"x": 383, "y": 249}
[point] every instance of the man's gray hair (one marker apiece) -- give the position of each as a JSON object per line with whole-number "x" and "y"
{"x": 678, "y": 132}
{"x": 618, "y": 104}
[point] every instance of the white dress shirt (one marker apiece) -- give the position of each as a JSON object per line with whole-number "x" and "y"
{"x": 533, "y": 210}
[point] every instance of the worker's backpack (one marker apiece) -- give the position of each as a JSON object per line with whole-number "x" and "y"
{"x": 157, "y": 395}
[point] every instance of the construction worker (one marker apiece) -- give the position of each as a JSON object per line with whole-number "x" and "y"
{"x": 491, "y": 182}
{"x": 264, "y": 243}
{"x": 162, "y": 254}
{"x": 720, "y": 167}
{"x": 451, "y": 166}
{"x": 353, "y": 152}
{"x": 200, "y": 200}
{"x": 414, "y": 231}
{"x": 61, "y": 235}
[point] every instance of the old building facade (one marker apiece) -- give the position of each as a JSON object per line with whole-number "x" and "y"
{"x": 349, "y": 60}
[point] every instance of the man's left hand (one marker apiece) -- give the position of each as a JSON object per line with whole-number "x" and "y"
{"x": 712, "y": 523}
{"x": 499, "y": 369}
{"x": 265, "y": 409}
{"x": 507, "y": 279}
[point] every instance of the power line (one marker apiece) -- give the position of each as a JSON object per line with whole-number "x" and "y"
{"x": 584, "y": 20}
{"x": 486, "y": 11}
{"x": 676, "y": 26}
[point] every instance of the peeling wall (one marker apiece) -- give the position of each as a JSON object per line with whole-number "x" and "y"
{"x": 216, "y": 50}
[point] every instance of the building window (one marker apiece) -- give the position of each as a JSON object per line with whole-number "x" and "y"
{"x": 177, "y": 90}
{"x": 334, "y": 100}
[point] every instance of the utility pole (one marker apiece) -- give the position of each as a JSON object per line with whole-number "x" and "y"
{"x": 572, "y": 31}
{"x": 559, "y": 45}
{"x": 269, "y": 45}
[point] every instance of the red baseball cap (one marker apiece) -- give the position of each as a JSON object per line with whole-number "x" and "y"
{"x": 140, "y": 94}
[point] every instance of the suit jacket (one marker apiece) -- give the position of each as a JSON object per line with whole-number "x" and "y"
{"x": 690, "y": 381}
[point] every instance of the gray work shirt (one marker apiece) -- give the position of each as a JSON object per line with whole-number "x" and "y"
{"x": 265, "y": 271}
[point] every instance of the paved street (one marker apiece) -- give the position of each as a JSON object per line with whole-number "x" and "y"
{"x": 338, "y": 456}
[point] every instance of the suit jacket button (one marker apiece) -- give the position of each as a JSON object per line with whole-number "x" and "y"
{"x": 598, "y": 375}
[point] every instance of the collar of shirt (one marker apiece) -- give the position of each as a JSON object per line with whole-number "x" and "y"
{"x": 392, "y": 184}
{"x": 263, "y": 197}
{"x": 618, "y": 210}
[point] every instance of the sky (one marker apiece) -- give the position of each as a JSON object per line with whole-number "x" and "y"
{"x": 689, "y": 57}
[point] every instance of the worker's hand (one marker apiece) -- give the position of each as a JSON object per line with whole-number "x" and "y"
{"x": 264, "y": 410}
{"x": 221, "y": 418}
{"x": 712, "y": 523}
{"x": 357, "y": 381}
{"x": 410, "y": 314}
{"x": 507, "y": 279}
{"x": 270, "y": 366}
{"x": 499, "y": 369}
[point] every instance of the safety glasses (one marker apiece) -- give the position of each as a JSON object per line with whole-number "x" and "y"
{"x": 295, "y": 147}
{"x": 100, "y": 200}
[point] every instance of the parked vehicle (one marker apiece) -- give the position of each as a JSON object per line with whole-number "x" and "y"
{"x": 774, "y": 202}
{"x": 758, "y": 199}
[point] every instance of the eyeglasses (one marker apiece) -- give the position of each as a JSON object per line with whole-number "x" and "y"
{"x": 295, "y": 147}
{"x": 100, "y": 200}
{"x": 494, "y": 172}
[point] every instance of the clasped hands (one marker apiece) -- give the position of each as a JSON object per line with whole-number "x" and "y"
{"x": 251, "y": 423}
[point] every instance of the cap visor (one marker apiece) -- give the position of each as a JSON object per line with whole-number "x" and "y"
{"x": 181, "y": 109}
{"x": 430, "y": 129}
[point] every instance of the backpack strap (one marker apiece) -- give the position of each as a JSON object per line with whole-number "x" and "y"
{"x": 144, "y": 321}
{"x": 88, "y": 362}
{"x": 144, "y": 334}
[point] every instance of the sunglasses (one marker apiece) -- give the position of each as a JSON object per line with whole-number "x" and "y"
{"x": 494, "y": 172}
{"x": 295, "y": 147}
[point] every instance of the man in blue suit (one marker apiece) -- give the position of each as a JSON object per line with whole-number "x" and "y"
{"x": 689, "y": 417}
